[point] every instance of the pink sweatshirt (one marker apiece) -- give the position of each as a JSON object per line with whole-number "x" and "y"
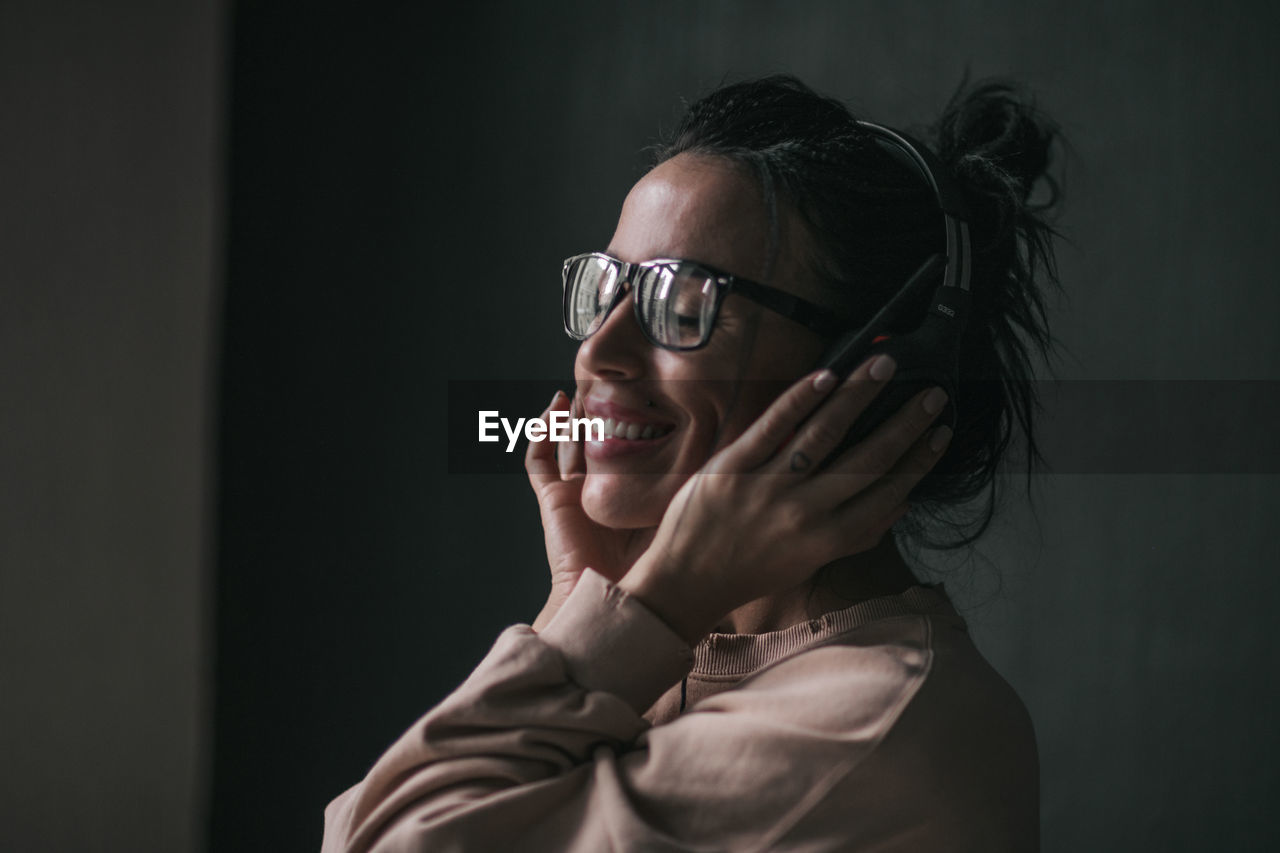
{"x": 875, "y": 728}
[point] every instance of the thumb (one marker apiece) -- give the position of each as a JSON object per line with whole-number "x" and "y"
{"x": 539, "y": 459}
{"x": 570, "y": 459}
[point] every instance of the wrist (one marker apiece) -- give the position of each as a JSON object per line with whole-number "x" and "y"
{"x": 557, "y": 597}
{"x": 673, "y": 597}
{"x": 544, "y": 616}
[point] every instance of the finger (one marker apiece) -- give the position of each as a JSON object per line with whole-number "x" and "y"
{"x": 539, "y": 458}
{"x": 827, "y": 427}
{"x": 895, "y": 487}
{"x": 762, "y": 439}
{"x": 569, "y": 456}
{"x": 879, "y": 453}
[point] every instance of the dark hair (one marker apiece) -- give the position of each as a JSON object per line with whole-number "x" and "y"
{"x": 871, "y": 221}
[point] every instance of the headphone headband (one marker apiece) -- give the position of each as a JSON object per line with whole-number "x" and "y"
{"x": 947, "y": 192}
{"x": 928, "y": 352}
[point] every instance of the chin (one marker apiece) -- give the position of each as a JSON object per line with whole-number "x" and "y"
{"x": 625, "y": 501}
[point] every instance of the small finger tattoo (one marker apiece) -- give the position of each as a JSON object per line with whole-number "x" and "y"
{"x": 800, "y": 462}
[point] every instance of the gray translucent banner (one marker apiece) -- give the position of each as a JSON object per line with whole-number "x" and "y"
{"x": 1083, "y": 427}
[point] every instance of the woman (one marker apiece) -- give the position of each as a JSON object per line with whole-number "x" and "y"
{"x": 734, "y": 655}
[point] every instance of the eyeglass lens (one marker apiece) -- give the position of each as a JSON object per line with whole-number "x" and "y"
{"x": 676, "y": 303}
{"x": 590, "y": 284}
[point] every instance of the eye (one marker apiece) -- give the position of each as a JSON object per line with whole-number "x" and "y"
{"x": 690, "y": 302}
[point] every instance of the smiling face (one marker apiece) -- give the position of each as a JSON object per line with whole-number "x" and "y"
{"x": 689, "y": 403}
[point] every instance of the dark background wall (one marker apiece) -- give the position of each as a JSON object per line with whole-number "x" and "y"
{"x": 401, "y": 187}
{"x": 404, "y": 186}
{"x": 110, "y": 175}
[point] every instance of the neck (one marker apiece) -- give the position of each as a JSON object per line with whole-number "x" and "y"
{"x": 838, "y": 585}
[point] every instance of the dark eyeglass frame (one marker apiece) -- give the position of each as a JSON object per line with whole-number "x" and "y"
{"x": 817, "y": 318}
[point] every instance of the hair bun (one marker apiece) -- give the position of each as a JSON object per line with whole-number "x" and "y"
{"x": 998, "y": 144}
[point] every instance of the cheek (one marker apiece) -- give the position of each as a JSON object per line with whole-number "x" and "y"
{"x": 700, "y": 434}
{"x": 755, "y": 398}
{"x": 722, "y": 417}
{"x": 775, "y": 366}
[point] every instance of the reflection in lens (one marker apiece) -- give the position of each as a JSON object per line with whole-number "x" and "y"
{"x": 592, "y": 282}
{"x": 692, "y": 306}
{"x": 677, "y": 304}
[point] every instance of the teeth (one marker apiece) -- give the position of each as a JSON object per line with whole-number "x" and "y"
{"x": 632, "y": 432}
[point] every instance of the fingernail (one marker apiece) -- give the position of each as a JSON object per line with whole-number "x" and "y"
{"x": 941, "y": 438}
{"x": 935, "y": 400}
{"x": 556, "y": 397}
{"x": 824, "y": 381}
{"x": 882, "y": 368}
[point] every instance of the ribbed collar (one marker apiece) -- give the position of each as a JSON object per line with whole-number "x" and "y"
{"x": 741, "y": 654}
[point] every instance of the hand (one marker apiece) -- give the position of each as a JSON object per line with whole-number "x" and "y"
{"x": 755, "y": 519}
{"x": 573, "y": 540}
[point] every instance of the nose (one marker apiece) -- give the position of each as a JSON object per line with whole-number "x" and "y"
{"x": 618, "y": 349}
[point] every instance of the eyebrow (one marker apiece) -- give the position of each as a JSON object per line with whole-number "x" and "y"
{"x": 671, "y": 257}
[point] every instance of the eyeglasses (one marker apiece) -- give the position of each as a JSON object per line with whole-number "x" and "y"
{"x": 676, "y": 301}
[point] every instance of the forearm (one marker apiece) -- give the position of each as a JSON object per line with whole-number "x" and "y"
{"x": 674, "y": 597}
{"x": 536, "y": 708}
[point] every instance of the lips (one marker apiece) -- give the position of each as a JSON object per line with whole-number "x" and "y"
{"x": 633, "y": 431}
{"x": 627, "y": 429}
{"x": 623, "y": 421}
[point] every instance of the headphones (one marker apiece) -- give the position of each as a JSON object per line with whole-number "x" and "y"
{"x": 927, "y": 354}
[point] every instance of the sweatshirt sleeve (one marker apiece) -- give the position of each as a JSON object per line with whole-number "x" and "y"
{"x": 543, "y": 748}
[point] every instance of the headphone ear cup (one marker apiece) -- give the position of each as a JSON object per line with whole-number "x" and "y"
{"x": 924, "y": 360}
{"x": 926, "y": 356}
{"x": 898, "y": 392}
